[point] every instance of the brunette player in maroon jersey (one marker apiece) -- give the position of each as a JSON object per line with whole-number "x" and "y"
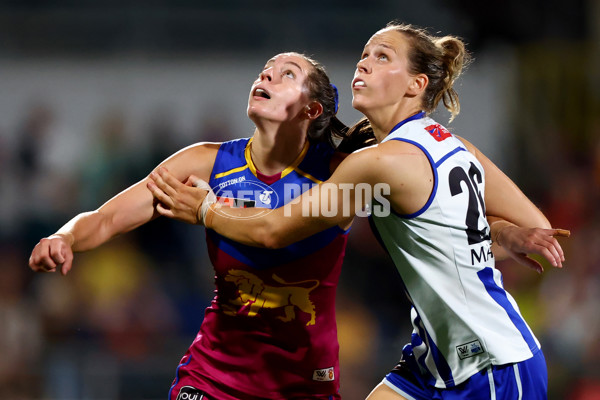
{"x": 270, "y": 331}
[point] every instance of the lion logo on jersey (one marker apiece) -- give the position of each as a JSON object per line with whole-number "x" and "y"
{"x": 255, "y": 295}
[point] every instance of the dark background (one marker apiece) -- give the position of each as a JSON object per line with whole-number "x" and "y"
{"x": 94, "y": 94}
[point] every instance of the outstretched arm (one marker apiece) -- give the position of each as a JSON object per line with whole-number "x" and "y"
{"x": 125, "y": 211}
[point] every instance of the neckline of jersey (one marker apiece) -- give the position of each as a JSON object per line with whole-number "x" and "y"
{"x": 270, "y": 179}
{"x": 416, "y": 116}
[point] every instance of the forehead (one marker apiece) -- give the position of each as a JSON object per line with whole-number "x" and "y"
{"x": 388, "y": 38}
{"x": 291, "y": 59}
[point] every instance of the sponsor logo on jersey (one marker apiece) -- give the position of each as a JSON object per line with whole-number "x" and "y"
{"x": 247, "y": 193}
{"x": 190, "y": 393}
{"x": 237, "y": 203}
{"x": 231, "y": 182}
{"x": 438, "y": 132}
{"x": 323, "y": 375}
{"x": 469, "y": 349}
{"x": 265, "y": 197}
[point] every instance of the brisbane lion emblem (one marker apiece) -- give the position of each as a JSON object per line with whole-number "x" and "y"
{"x": 253, "y": 295}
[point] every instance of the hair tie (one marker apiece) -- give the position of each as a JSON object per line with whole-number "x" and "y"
{"x": 335, "y": 97}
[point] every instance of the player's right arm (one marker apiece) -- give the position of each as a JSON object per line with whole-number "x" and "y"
{"x": 507, "y": 208}
{"x": 124, "y": 212}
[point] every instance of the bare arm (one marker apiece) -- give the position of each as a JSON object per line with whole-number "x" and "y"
{"x": 126, "y": 211}
{"x": 507, "y": 207}
{"x": 504, "y": 199}
{"x": 369, "y": 172}
{"x": 304, "y": 215}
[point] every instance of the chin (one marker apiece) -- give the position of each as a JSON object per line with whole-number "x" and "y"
{"x": 358, "y": 106}
{"x": 252, "y": 113}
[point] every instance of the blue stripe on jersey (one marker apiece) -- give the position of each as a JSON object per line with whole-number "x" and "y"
{"x": 486, "y": 276}
{"x": 435, "y": 181}
{"x": 260, "y": 258}
{"x": 418, "y": 115}
{"x": 447, "y": 156}
{"x": 438, "y": 358}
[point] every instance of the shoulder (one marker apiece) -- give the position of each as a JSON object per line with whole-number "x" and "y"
{"x": 467, "y": 144}
{"x": 394, "y": 154}
{"x": 383, "y": 161}
{"x": 197, "y": 159}
{"x": 198, "y": 149}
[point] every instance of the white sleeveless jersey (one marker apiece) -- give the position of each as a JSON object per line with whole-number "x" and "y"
{"x": 463, "y": 318}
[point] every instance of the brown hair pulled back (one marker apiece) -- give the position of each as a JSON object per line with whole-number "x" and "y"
{"x": 327, "y": 127}
{"x": 442, "y": 59}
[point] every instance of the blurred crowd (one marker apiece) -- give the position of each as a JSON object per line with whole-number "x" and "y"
{"x": 117, "y": 325}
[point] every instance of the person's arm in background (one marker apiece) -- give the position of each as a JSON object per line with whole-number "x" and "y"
{"x": 124, "y": 212}
{"x": 507, "y": 208}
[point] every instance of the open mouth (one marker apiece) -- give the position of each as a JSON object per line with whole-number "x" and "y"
{"x": 260, "y": 92}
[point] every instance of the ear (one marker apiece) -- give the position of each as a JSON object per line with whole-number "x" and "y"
{"x": 418, "y": 84}
{"x": 313, "y": 110}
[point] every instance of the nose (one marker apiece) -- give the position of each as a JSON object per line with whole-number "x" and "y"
{"x": 267, "y": 74}
{"x": 362, "y": 65}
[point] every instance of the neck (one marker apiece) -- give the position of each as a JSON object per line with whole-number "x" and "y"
{"x": 272, "y": 152}
{"x": 382, "y": 121}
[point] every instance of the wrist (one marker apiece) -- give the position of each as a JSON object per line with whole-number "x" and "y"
{"x": 209, "y": 214}
{"x": 199, "y": 215}
{"x": 496, "y": 229}
{"x": 66, "y": 236}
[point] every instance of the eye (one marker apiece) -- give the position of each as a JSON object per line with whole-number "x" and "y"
{"x": 289, "y": 74}
{"x": 382, "y": 57}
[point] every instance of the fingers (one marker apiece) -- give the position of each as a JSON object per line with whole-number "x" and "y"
{"x": 523, "y": 241}
{"x": 551, "y": 250}
{"x": 166, "y": 212}
{"x": 48, "y": 255}
{"x": 555, "y": 245}
{"x": 546, "y": 246}
{"x": 550, "y": 254}
{"x": 530, "y": 262}
{"x": 40, "y": 259}
{"x": 562, "y": 232}
{"x": 200, "y": 184}
{"x": 168, "y": 178}
{"x": 557, "y": 249}
{"x": 68, "y": 263}
{"x": 165, "y": 181}
{"x": 159, "y": 194}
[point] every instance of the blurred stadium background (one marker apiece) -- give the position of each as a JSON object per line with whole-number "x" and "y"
{"x": 93, "y": 94}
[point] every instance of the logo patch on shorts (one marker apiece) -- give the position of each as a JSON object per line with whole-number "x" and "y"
{"x": 469, "y": 349}
{"x": 190, "y": 393}
{"x": 323, "y": 375}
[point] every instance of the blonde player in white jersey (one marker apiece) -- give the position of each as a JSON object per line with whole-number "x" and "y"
{"x": 469, "y": 340}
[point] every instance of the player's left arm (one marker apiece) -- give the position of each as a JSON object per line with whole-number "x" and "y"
{"x": 325, "y": 205}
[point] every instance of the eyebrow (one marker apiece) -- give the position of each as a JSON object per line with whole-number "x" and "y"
{"x": 384, "y": 45}
{"x": 286, "y": 62}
